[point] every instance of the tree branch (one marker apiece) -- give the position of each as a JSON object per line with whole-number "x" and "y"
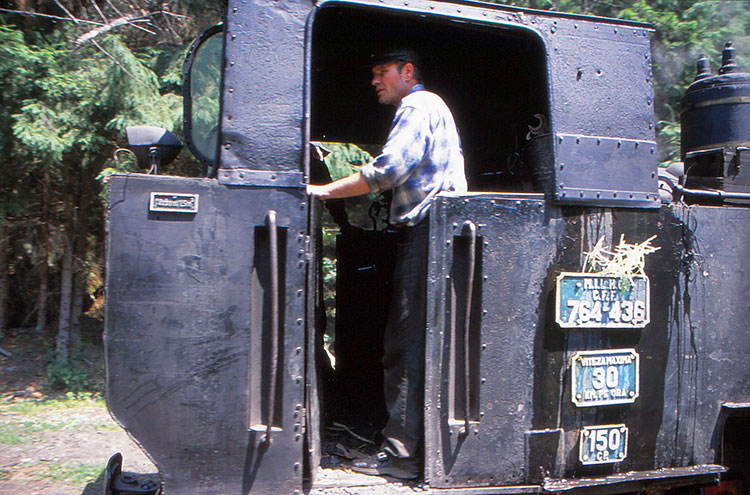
{"x": 48, "y": 16}
{"x": 112, "y": 6}
{"x": 111, "y": 25}
{"x": 99, "y": 11}
{"x": 62, "y": 7}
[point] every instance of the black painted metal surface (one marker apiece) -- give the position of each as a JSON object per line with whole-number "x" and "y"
{"x": 512, "y": 259}
{"x": 715, "y": 110}
{"x": 637, "y": 481}
{"x": 602, "y": 116}
{"x": 715, "y": 123}
{"x": 189, "y": 317}
{"x": 526, "y": 428}
{"x": 187, "y": 337}
{"x": 263, "y": 104}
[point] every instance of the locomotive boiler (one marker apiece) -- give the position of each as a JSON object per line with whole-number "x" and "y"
{"x": 545, "y": 372}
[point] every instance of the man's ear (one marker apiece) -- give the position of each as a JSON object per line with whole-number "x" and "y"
{"x": 407, "y": 71}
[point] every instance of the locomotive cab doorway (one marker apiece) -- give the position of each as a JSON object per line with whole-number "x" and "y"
{"x": 494, "y": 78}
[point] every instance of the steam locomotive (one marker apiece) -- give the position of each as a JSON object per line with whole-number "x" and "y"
{"x": 544, "y": 373}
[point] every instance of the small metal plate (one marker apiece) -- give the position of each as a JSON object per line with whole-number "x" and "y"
{"x": 587, "y": 300}
{"x": 173, "y": 202}
{"x": 602, "y": 378}
{"x": 605, "y": 171}
{"x": 260, "y": 178}
{"x": 603, "y": 444}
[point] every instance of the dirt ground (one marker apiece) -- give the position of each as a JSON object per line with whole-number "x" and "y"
{"x": 88, "y": 440}
{"x": 48, "y": 450}
{"x": 48, "y": 447}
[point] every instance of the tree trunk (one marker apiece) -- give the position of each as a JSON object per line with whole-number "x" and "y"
{"x": 79, "y": 278}
{"x": 41, "y": 315}
{"x": 3, "y": 279}
{"x": 66, "y": 289}
{"x": 76, "y": 305}
{"x": 66, "y": 284}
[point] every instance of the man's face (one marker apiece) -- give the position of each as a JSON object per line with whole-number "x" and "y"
{"x": 390, "y": 83}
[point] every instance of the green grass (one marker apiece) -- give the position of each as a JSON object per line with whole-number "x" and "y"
{"x": 67, "y": 401}
{"x": 8, "y": 436}
{"x": 25, "y": 419}
{"x": 75, "y": 474}
{"x": 13, "y": 432}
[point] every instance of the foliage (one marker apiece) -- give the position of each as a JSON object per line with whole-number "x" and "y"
{"x": 343, "y": 160}
{"x": 669, "y": 132}
{"x": 76, "y": 374}
{"x": 73, "y": 76}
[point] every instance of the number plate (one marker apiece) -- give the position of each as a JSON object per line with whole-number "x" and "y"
{"x": 173, "y": 203}
{"x": 603, "y": 444}
{"x": 604, "y": 377}
{"x": 586, "y": 300}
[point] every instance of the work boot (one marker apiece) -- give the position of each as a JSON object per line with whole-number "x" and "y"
{"x": 384, "y": 464}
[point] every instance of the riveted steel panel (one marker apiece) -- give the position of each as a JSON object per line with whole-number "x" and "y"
{"x": 630, "y": 166}
{"x": 602, "y": 113}
{"x": 525, "y": 425}
{"x": 513, "y": 255}
{"x": 601, "y": 78}
{"x": 263, "y": 100}
{"x": 259, "y": 178}
{"x": 188, "y": 333}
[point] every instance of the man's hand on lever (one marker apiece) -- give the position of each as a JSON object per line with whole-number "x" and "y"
{"x": 354, "y": 185}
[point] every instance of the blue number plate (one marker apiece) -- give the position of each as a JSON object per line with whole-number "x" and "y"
{"x": 603, "y": 444}
{"x": 587, "y": 300}
{"x": 604, "y": 377}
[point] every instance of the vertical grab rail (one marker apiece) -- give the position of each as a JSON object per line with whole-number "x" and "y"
{"x": 274, "y": 248}
{"x": 471, "y": 229}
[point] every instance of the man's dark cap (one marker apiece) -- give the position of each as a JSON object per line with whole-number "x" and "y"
{"x": 397, "y": 55}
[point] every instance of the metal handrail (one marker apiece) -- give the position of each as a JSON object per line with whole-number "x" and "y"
{"x": 471, "y": 228}
{"x": 274, "y": 248}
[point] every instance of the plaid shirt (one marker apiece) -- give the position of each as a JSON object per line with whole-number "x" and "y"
{"x": 421, "y": 157}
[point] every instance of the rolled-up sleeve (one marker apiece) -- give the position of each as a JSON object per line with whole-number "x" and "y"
{"x": 403, "y": 152}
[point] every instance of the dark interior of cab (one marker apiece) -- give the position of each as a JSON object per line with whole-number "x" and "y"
{"x": 493, "y": 77}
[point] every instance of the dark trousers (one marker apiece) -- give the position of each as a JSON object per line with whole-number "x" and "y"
{"x": 404, "y": 342}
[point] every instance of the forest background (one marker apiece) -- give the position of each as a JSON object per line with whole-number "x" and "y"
{"x": 75, "y": 73}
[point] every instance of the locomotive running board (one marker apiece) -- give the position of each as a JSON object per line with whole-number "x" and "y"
{"x": 634, "y": 481}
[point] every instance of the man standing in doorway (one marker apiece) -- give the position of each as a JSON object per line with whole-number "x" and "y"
{"x": 421, "y": 158}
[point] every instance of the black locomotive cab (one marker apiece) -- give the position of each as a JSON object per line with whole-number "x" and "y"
{"x": 224, "y": 359}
